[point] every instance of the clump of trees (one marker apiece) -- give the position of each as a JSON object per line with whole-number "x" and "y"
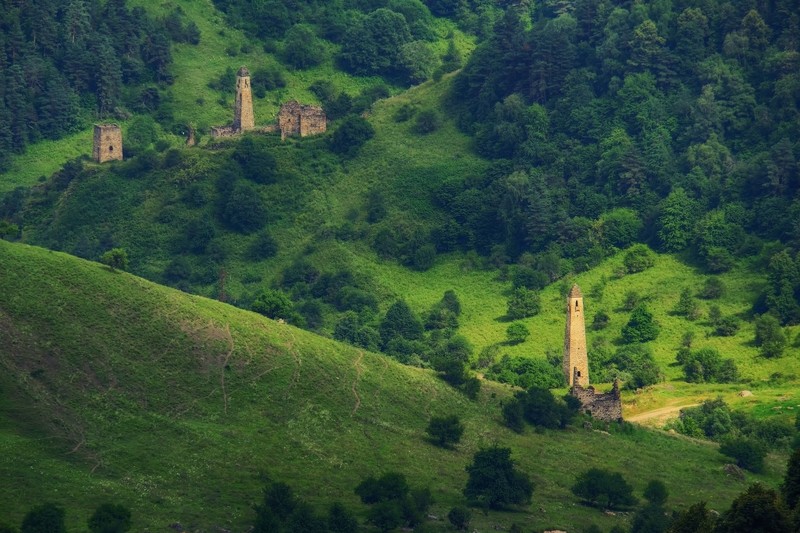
{"x": 445, "y": 431}
{"x": 539, "y": 407}
{"x": 392, "y": 502}
{"x": 527, "y": 372}
{"x": 745, "y": 437}
{"x": 494, "y": 482}
{"x": 641, "y": 326}
{"x": 281, "y": 510}
{"x": 604, "y": 489}
{"x": 706, "y": 365}
{"x": 62, "y": 63}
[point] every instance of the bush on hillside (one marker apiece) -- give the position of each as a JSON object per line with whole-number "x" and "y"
{"x": 517, "y": 332}
{"x": 263, "y": 246}
{"x": 302, "y": 48}
{"x": 638, "y": 258}
{"x": 45, "y": 518}
{"x": 604, "y": 489}
{"x": 243, "y": 210}
{"x": 445, "y": 431}
{"x": 757, "y": 509}
{"x": 400, "y": 321}
{"x": 115, "y": 259}
{"x": 427, "y": 121}
{"x": 523, "y": 303}
{"x": 275, "y": 304}
{"x": 351, "y": 135}
{"x": 526, "y": 372}
{"x": 747, "y": 453}
{"x": 769, "y": 336}
{"x": 459, "y": 518}
{"x": 707, "y": 366}
{"x": 110, "y": 518}
{"x": 713, "y": 288}
{"x": 393, "y": 501}
{"x": 538, "y": 407}
{"x": 641, "y": 326}
{"x": 494, "y": 482}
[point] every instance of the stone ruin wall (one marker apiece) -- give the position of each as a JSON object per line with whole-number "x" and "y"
{"x": 602, "y": 406}
{"x": 107, "y": 144}
{"x": 295, "y": 119}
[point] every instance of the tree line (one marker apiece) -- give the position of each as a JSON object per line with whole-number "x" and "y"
{"x": 63, "y": 64}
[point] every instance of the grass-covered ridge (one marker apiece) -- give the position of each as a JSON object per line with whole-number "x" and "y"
{"x": 114, "y": 387}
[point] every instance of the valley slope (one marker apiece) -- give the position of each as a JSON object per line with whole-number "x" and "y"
{"x": 180, "y": 407}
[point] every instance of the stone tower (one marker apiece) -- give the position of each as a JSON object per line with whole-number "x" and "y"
{"x": 107, "y": 143}
{"x": 243, "y": 119}
{"x": 576, "y": 361}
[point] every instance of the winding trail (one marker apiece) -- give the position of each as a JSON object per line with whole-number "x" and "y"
{"x": 660, "y": 414}
{"x": 224, "y": 366}
{"x": 359, "y": 371}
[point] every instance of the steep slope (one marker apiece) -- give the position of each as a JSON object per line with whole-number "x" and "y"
{"x": 179, "y": 407}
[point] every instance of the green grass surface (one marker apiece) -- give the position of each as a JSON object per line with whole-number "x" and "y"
{"x": 179, "y": 406}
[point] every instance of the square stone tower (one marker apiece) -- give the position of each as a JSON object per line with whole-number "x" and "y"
{"x": 576, "y": 361}
{"x": 243, "y": 118}
{"x": 107, "y": 143}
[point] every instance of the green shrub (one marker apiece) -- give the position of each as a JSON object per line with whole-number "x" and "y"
{"x": 445, "y": 431}
{"x": 351, "y": 134}
{"x": 110, "y": 518}
{"x": 641, "y": 326}
{"x": 494, "y": 482}
{"x": 604, "y": 489}
{"x": 747, "y": 453}
{"x": 459, "y": 518}
{"x": 45, "y": 518}
{"x": 115, "y": 259}
{"x": 517, "y": 332}
{"x": 427, "y": 121}
{"x": 638, "y": 258}
{"x": 713, "y": 288}
{"x": 523, "y": 303}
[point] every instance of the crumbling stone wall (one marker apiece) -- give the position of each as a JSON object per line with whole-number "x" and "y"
{"x": 602, "y": 406}
{"x": 295, "y": 119}
{"x": 107, "y": 143}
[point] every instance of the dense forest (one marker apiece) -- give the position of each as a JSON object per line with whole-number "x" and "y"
{"x": 609, "y": 123}
{"x": 604, "y": 124}
{"x": 63, "y": 64}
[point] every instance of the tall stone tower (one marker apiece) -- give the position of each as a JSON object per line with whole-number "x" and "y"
{"x": 243, "y": 119}
{"x": 576, "y": 361}
{"x": 107, "y": 143}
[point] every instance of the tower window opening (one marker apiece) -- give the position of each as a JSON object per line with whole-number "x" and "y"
{"x": 110, "y": 148}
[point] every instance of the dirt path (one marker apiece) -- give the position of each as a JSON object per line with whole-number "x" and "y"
{"x": 658, "y": 415}
{"x": 359, "y": 371}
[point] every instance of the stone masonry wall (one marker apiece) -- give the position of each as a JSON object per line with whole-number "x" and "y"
{"x": 602, "y": 406}
{"x": 107, "y": 143}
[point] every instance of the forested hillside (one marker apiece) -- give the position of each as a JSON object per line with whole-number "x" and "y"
{"x": 480, "y": 158}
{"x": 63, "y": 64}
{"x": 674, "y": 124}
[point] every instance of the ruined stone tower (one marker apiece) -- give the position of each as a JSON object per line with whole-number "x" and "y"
{"x": 107, "y": 143}
{"x": 576, "y": 362}
{"x": 296, "y": 119}
{"x": 243, "y": 119}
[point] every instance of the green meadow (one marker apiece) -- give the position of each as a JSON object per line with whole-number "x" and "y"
{"x": 181, "y": 407}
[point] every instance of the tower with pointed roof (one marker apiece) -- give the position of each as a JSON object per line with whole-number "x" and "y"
{"x": 243, "y": 118}
{"x": 576, "y": 361}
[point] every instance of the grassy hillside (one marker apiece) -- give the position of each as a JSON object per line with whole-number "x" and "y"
{"x": 178, "y": 406}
